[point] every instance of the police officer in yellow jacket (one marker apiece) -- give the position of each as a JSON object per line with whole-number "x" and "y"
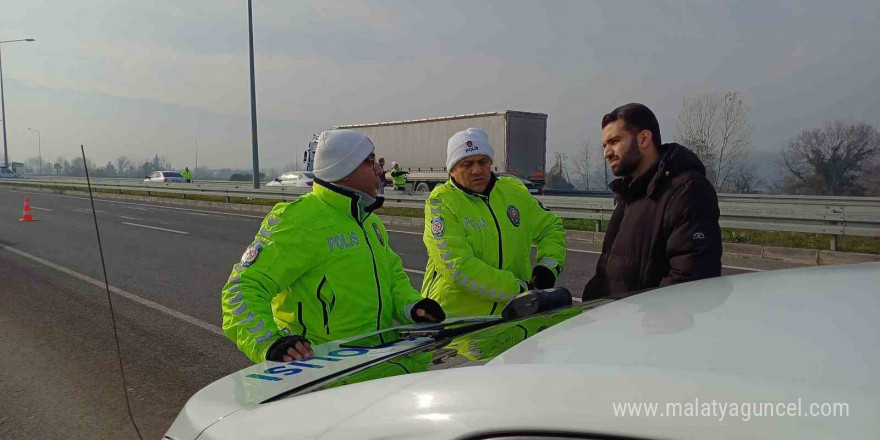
{"x": 321, "y": 268}
{"x": 479, "y": 229}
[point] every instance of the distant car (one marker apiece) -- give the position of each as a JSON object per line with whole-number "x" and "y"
{"x": 534, "y": 188}
{"x": 671, "y": 363}
{"x": 166, "y": 176}
{"x": 6, "y": 173}
{"x": 304, "y": 179}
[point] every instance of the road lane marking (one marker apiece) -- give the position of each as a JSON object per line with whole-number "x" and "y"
{"x": 153, "y": 227}
{"x": 134, "y": 206}
{"x": 130, "y": 218}
{"x": 127, "y": 295}
{"x": 131, "y": 205}
{"x": 41, "y": 209}
{"x": 87, "y": 211}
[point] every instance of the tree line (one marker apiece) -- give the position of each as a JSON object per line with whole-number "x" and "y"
{"x": 838, "y": 158}
{"x": 126, "y": 167}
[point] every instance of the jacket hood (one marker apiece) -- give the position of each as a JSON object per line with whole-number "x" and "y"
{"x": 675, "y": 159}
{"x": 679, "y": 159}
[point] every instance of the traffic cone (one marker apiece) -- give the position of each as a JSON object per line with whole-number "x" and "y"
{"x": 27, "y": 216}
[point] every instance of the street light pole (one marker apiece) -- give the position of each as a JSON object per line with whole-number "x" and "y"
{"x": 196, "y": 169}
{"x": 3, "y": 102}
{"x": 39, "y": 149}
{"x": 253, "y": 98}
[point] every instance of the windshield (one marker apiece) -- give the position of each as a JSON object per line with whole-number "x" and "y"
{"x": 171, "y": 174}
{"x": 472, "y": 348}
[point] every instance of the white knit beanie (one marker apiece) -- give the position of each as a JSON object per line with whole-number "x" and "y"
{"x": 339, "y": 152}
{"x": 471, "y": 142}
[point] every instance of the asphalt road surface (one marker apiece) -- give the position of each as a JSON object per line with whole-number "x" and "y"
{"x": 59, "y": 376}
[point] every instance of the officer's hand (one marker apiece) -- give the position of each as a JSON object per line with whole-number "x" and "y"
{"x": 428, "y": 310}
{"x": 542, "y": 278}
{"x": 290, "y": 348}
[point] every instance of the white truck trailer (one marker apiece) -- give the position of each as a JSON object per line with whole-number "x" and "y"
{"x": 419, "y": 146}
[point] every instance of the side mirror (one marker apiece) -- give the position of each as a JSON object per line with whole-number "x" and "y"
{"x": 537, "y": 301}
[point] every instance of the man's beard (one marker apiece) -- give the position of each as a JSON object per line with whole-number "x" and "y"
{"x": 626, "y": 165}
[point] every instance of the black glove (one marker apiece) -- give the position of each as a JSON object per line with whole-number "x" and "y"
{"x": 542, "y": 278}
{"x": 536, "y": 301}
{"x": 430, "y": 307}
{"x": 279, "y": 349}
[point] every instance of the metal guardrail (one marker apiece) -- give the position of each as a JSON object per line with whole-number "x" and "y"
{"x": 834, "y": 216}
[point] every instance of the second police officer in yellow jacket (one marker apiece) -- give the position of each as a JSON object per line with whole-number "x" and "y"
{"x": 479, "y": 229}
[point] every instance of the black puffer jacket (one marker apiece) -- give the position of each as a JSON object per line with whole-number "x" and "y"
{"x": 663, "y": 231}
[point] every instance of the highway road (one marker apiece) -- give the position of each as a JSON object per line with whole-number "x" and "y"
{"x": 166, "y": 266}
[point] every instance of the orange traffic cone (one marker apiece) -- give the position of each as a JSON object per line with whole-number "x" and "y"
{"x": 27, "y": 216}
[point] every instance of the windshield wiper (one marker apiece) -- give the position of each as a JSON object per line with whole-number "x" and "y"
{"x": 526, "y": 304}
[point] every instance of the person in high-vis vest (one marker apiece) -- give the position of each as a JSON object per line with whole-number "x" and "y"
{"x": 398, "y": 177}
{"x": 479, "y": 229}
{"x": 187, "y": 174}
{"x": 321, "y": 268}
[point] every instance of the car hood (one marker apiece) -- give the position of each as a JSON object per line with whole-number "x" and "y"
{"x": 260, "y": 383}
{"x": 778, "y": 337}
{"x": 516, "y": 399}
{"x": 400, "y": 351}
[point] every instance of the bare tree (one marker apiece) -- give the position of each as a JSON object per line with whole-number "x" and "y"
{"x": 123, "y": 164}
{"x": 583, "y": 160}
{"x": 716, "y": 127}
{"x": 831, "y": 160}
{"x": 558, "y": 177}
{"x": 745, "y": 179}
{"x": 872, "y": 181}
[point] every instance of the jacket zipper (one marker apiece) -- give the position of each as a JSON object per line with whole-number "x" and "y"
{"x": 500, "y": 250}
{"x": 323, "y": 305}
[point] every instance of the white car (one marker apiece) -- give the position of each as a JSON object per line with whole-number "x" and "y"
{"x": 166, "y": 177}
{"x": 801, "y": 345}
{"x": 303, "y": 179}
{"x": 6, "y": 173}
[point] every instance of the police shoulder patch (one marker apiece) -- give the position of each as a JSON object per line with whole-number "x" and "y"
{"x": 438, "y": 227}
{"x": 250, "y": 254}
{"x": 513, "y": 215}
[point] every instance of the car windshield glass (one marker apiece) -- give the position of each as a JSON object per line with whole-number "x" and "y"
{"x": 172, "y": 174}
{"x": 308, "y": 174}
{"x": 478, "y": 342}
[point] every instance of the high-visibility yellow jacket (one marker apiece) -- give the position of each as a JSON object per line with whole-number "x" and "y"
{"x": 479, "y": 246}
{"x": 320, "y": 267}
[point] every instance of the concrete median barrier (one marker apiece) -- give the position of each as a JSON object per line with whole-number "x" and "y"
{"x": 791, "y": 255}
{"x": 743, "y": 249}
{"x": 832, "y": 258}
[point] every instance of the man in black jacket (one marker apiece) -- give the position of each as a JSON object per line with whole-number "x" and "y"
{"x": 664, "y": 229}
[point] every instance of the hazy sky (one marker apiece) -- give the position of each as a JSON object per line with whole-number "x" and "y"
{"x": 145, "y": 77}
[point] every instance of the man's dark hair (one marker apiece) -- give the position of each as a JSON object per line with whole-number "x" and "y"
{"x": 636, "y": 117}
